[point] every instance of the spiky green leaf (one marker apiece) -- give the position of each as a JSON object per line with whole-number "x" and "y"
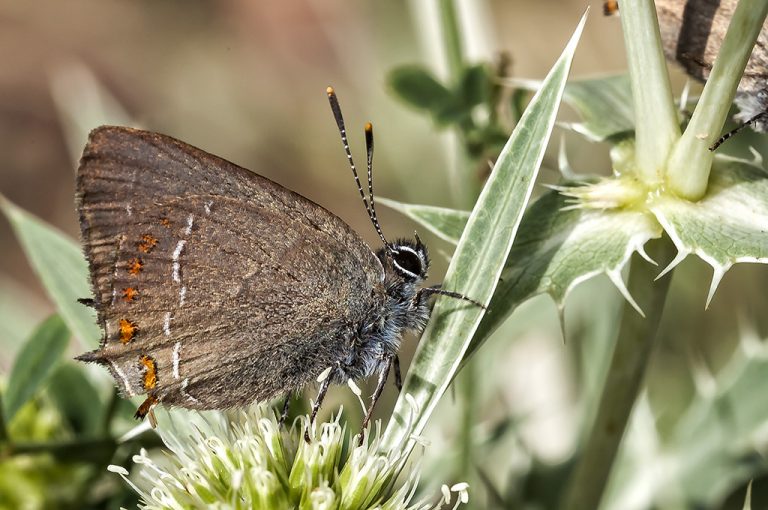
{"x": 728, "y": 225}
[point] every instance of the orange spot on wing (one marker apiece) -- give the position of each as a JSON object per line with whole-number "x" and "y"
{"x": 150, "y": 372}
{"x": 147, "y": 243}
{"x": 165, "y": 222}
{"x": 130, "y": 294}
{"x": 127, "y": 330}
{"x": 135, "y": 265}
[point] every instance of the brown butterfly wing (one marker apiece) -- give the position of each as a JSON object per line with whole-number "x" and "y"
{"x": 214, "y": 286}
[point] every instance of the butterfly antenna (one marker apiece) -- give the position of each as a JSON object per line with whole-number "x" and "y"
{"x": 336, "y": 109}
{"x": 732, "y": 132}
{"x": 369, "y": 158}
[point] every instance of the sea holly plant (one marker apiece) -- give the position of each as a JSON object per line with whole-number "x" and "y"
{"x": 669, "y": 196}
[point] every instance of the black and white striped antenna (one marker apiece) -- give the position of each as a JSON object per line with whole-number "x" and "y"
{"x": 370, "y": 208}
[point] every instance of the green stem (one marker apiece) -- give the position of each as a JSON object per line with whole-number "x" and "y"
{"x": 92, "y": 450}
{"x": 463, "y": 186}
{"x": 109, "y": 413}
{"x": 468, "y": 395}
{"x": 82, "y": 450}
{"x": 623, "y": 382}
{"x": 691, "y": 160}
{"x": 454, "y": 54}
{"x": 465, "y": 191}
{"x": 656, "y": 128}
{"x": 3, "y": 428}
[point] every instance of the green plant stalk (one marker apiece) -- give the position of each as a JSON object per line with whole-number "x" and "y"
{"x": 109, "y": 412}
{"x": 3, "y": 429}
{"x": 464, "y": 193}
{"x": 468, "y": 401}
{"x": 463, "y": 187}
{"x": 691, "y": 160}
{"x": 623, "y": 382}
{"x": 454, "y": 51}
{"x": 656, "y": 128}
{"x": 83, "y": 450}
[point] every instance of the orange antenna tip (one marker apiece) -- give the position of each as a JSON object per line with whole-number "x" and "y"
{"x": 330, "y": 91}
{"x": 368, "y": 126}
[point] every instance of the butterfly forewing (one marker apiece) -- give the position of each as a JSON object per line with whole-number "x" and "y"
{"x": 214, "y": 286}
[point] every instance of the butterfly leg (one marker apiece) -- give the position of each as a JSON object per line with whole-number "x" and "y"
{"x": 318, "y": 402}
{"x": 375, "y": 398}
{"x": 398, "y": 376}
{"x": 438, "y": 290}
{"x": 286, "y": 407}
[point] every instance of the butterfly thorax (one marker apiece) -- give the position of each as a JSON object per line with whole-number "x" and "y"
{"x": 400, "y": 308}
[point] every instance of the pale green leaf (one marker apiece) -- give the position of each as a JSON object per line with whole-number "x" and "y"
{"x": 605, "y": 106}
{"x": 83, "y": 103}
{"x": 445, "y": 223}
{"x": 62, "y": 269}
{"x": 479, "y": 258}
{"x": 727, "y": 226}
{"x": 34, "y": 363}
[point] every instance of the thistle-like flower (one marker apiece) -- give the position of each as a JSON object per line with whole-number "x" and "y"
{"x": 244, "y": 460}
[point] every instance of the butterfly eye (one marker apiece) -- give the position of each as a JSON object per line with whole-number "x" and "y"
{"x": 408, "y": 262}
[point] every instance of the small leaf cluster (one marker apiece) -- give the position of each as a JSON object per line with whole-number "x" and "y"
{"x": 471, "y": 105}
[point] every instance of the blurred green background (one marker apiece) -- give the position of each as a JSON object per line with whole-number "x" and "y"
{"x": 246, "y": 80}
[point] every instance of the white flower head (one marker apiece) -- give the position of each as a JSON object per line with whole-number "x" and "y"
{"x": 244, "y": 460}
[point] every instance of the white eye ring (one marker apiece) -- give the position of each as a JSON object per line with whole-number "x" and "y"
{"x": 401, "y": 269}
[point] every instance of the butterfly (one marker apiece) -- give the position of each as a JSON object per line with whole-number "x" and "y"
{"x": 216, "y": 287}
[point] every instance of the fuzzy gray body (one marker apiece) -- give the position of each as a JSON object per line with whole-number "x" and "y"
{"x": 233, "y": 287}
